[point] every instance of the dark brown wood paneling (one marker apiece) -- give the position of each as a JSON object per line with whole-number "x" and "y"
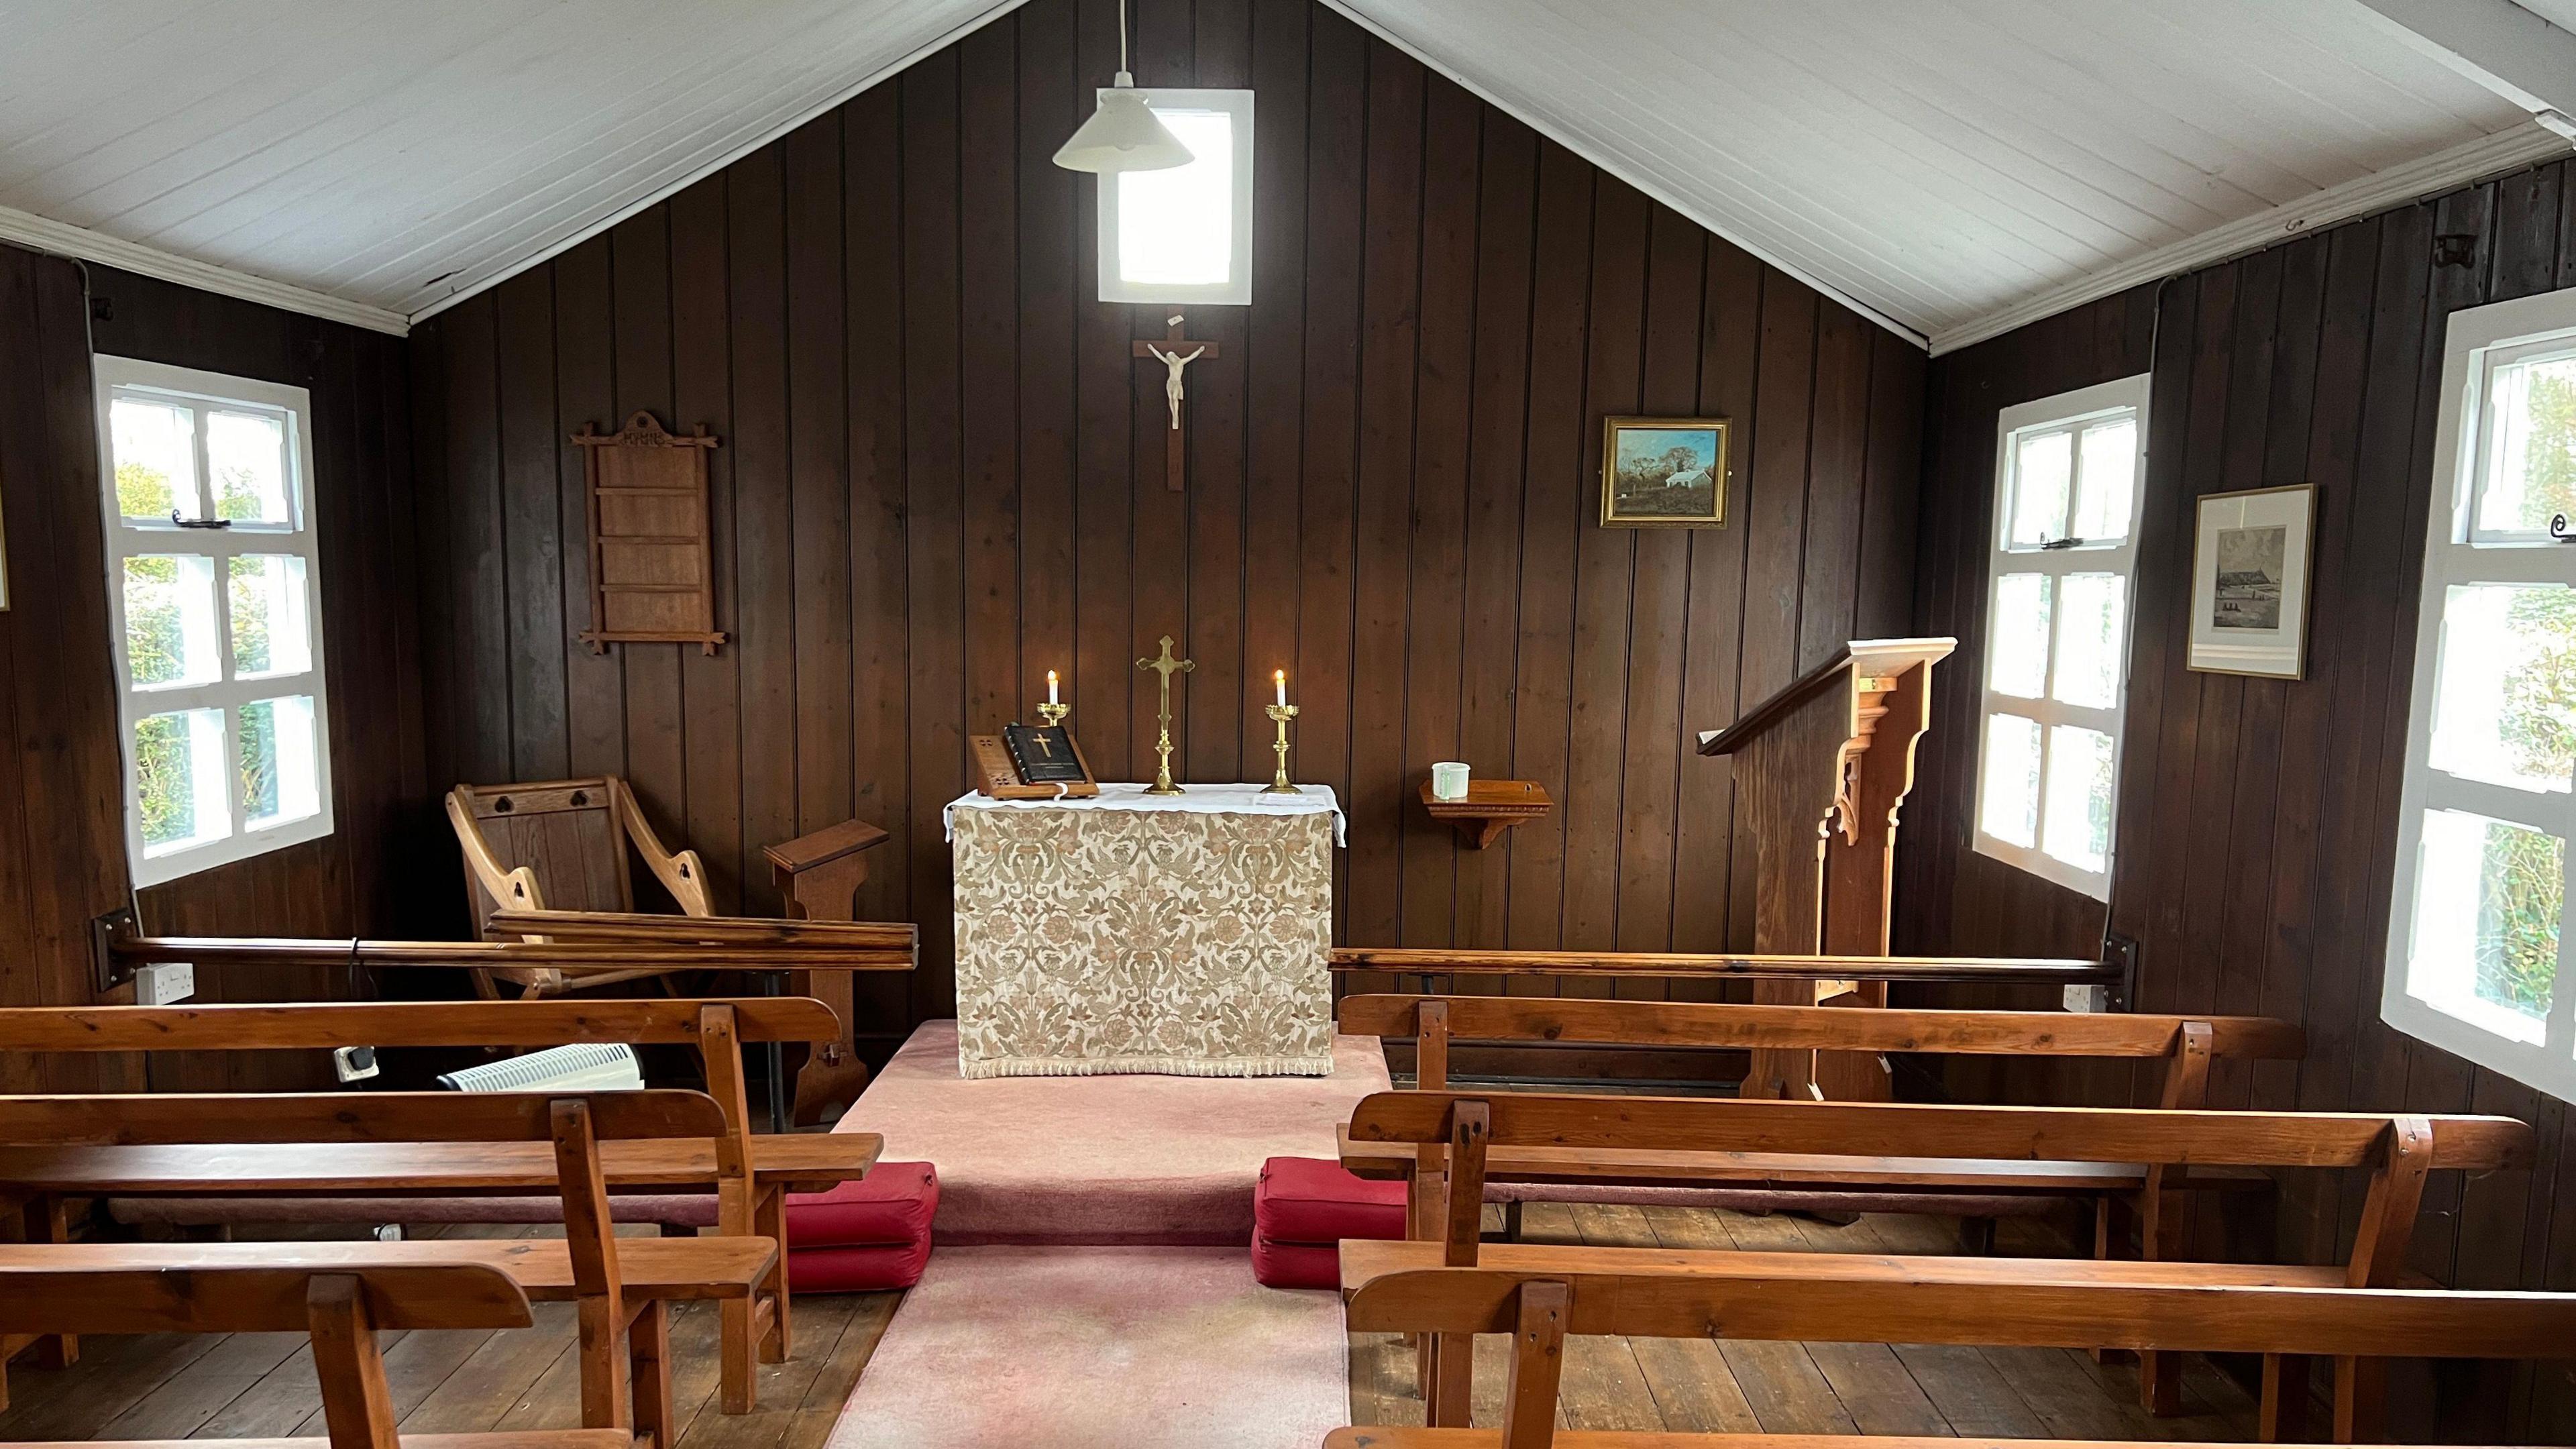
{"x": 2257, "y": 817}
{"x": 61, "y": 794}
{"x": 943, "y": 476}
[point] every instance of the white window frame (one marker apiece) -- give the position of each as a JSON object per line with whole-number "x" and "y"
{"x": 126, "y": 538}
{"x": 1236, "y": 289}
{"x": 2478, "y": 340}
{"x": 2068, "y": 411}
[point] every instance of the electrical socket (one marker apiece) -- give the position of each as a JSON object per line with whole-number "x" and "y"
{"x": 354, "y": 1063}
{"x": 162, "y": 984}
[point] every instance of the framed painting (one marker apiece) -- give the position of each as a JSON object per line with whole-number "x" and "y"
{"x": 1664, "y": 472}
{"x": 2249, "y": 582}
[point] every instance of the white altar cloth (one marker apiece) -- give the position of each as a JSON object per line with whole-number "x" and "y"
{"x": 1187, "y": 935}
{"x": 1206, "y": 799}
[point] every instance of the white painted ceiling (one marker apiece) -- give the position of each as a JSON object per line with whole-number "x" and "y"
{"x": 1939, "y": 161}
{"x": 1950, "y": 165}
{"x": 391, "y": 153}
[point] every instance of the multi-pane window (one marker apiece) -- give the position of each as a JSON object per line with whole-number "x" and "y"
{"x": 1184, "y": 233}
{"x": 2486, "y": 810}
{"x": 213, "y": 588}
{"x": 2067, "y": 471}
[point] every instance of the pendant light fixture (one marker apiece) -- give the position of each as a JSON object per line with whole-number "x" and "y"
{"x": 1124, "y": 134}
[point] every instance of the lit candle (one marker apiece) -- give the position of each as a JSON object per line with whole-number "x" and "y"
{"x": 1280, "y": 677}
{"x": 1051, "y": 699}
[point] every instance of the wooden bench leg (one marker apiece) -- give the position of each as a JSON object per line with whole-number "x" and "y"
{"x": 607, "y": 1398}
{"x": 357, "y": 1407}
{"x": 2283, "y": 1416}
{"x": 2360, "y": 1400}
{"x": 1449, "y": 1393}
{"x": 648, "y": 1349}
{"x": 49, "y": 1220}
{"x": 769, "y": 1219}
{"x": 740, "y": 1355}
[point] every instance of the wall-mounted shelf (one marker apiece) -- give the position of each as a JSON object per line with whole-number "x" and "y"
{"x": 1491, "y": 807}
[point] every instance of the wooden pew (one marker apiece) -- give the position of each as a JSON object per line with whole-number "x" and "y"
{"x": 1791, "y": 1297}
{"x": 623, "y": 1291}
{"x": 1884, "y": 1140}
{"x": 751, "y": 1175}
{"x": 2186, "y": 1046}
{"x": 341, "y": 1307}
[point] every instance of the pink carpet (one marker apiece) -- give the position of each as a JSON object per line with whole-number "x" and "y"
{"x": 1082, "y": 1347}
{"x": 1134, "y": 1160}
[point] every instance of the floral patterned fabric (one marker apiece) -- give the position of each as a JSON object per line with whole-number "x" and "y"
{"x": 1181, "y": 942}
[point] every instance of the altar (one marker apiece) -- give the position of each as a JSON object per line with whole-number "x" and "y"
{"x": 1182, "y": 934}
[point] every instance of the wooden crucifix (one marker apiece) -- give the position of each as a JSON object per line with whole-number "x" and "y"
{"x": 1176, "y": 353}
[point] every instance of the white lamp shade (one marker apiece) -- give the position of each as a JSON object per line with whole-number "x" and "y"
{"x": 1123, "y": 135}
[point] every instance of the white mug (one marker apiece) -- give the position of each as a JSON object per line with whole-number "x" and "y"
{"x": 1449, "y": 781}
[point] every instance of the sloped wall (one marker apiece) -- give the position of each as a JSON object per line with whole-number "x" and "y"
{"x": 942, "y": 475}
{"x": 2257, "y": 817}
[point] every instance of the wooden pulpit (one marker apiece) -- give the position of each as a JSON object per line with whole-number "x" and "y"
{"x": 1821, "y": 771}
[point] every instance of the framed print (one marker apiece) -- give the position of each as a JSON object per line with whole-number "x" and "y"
{"x": 1664, "y": 472}
{"x": 2249, "y": 582}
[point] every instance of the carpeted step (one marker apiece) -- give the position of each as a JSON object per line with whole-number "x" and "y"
{"x": 1133, "y": 1160}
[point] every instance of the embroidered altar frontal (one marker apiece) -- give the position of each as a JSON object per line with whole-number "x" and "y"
{"x": 1135, "y": 935}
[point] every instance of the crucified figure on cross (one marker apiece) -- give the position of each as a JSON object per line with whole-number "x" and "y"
{"x": 1167, "y": 351}
{"x": 1172, "y": 384}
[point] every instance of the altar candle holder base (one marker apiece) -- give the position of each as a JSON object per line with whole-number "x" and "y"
{"x": 1053, "y": 714}
{"x": 1279, "y": 782}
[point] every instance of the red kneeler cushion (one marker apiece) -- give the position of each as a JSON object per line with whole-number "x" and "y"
{"x": 863, "y": 1236}
{"x": 1303, "y": 1207}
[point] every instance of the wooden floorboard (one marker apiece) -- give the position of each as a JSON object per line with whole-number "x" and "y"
{"x": 175, "y": 1386}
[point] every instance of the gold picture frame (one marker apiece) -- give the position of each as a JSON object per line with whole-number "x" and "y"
{"x": 1642, "y": 457}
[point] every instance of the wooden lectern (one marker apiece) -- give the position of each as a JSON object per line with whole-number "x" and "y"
{"x": 1821, "y": 770}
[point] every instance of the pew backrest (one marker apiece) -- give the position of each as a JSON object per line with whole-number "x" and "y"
{"x": 575, "y": 1123}
{"x": 1890, "y": 1129}
{"x": 2357, "y": 1326}
{"x": 145, "y": 1298}
{"x": 326, "y": 1024}
{"x": 163, "y": 1118}
{"x": 1680, "y": 1302}
{"x": 2188, "y": 1042}
{"x": 2398, "y": 1150}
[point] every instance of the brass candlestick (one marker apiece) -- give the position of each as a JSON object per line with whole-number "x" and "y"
{"x": 1053, "y": 714}
{"x": 1279, "y": 782}
{"x": 1166, "y": 666}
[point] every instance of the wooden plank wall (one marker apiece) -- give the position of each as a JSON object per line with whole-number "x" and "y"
{"x": 61, "y": 797}
{"x": 62, "y": 836}
{"x": 2257, "y": 817}
{"x": 942, "y": 475}
{"x": 361, "y": 878}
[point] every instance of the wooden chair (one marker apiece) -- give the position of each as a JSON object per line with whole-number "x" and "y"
{"x": 2186, "y": 1046}
{"x": 1824, "y": 1301}
{"x": 564, "y": 845}
{"x": 623, "y": 1290}
{"x": 1879, "y": 1142}
{"x": 154, "y": 1288}
{"x": 751, "y": 1175}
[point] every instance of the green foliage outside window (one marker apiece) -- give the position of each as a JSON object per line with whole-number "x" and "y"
{"x": 2523, "y": 875}
{"x": 143, "y": 492}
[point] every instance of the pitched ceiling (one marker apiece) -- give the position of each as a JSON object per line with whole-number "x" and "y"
{"x": 391, "y": 156}
{"x": 1951, "y": 166}
{"x": 1947, "y": 162}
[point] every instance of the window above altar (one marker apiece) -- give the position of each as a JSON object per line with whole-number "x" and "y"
{"x": 1184, "y": 233}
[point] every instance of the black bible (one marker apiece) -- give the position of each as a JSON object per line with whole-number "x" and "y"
{"x": 1043, "y": 754}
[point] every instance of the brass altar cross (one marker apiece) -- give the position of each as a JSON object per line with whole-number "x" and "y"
{"x": 1166, "y": 666}
{"x": 1170, "y": 352}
